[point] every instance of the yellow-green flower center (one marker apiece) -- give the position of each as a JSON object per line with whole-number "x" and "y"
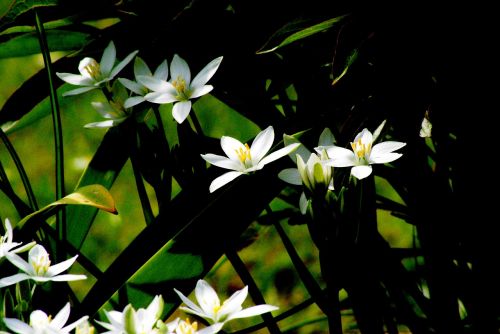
{"x": 180, "y": 85}
{"x": 187, "y": 327}
{"x": 360, "y": 149}
{"x": 93, "y": 69}
{"x": 244, "y": 155}
{"x": 40, "y": 264}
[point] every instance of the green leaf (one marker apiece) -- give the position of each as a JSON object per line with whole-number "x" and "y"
{"x": 214, "y": 115}
{"x": 28, "y": 44}
{"x": 101, "y": 170}
{"x": 93, "y": 195}
{"x": 303, "y": 33}
{"x": 11, "y": 9}
{"x": 350, "y": 60}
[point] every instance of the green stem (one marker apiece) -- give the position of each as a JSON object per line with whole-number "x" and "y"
{"x": 196, "y": 123}
{"x": 20, "y": 168}
{"x": 257, "y": 297}
{"x": 56, "y": 122}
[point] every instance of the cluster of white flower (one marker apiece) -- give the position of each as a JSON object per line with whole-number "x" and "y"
{"x": 152, "y": 87}
{"x": 130, "y": 321}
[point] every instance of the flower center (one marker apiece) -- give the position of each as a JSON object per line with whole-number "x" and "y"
{"x": 180, "y": 85}
{"x": 186, "y": 327}
{"x": 40, "y": 264}
{"x": 360, "y": 149}
{"x": 244, "y": 155}
{"x": 93, "y": 69}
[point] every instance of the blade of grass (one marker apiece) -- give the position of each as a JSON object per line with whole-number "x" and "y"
{"x": 56, "y": 121}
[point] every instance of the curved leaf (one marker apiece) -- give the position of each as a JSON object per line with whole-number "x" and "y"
{"x": 11, "y": 9}
{"x": 94, "y": 195}
{"x": 325, "y": 25}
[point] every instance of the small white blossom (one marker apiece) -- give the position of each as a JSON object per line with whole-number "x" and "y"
{"x": 38, "y": 268}
{"x": 180, "y": 89}
{"x": 243, "y": 159}
{"x": 363, "y": 153}
{"x": 142, "y": 69}
{"x": 114, "y": 111}
{"x": 210, "y": 308}
{"x": 41, "y": 323}
{"x": 94, "y": 74}
{"x": 7, "y": 245}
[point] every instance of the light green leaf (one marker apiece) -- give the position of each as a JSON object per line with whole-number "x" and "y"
{"x": 93, "y": 195}
{"x": 28, "y": 44}
{"x": 309, "y": 31}
{"x": 11, "y": 9}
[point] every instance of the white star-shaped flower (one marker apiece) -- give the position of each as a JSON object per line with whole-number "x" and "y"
{"x": 243, "y": 159}
{"x": 180, "y": 89}
{"x": 210, "y": 308}
{"x": 38, "y": 268}
{"x": 94, "y": 74}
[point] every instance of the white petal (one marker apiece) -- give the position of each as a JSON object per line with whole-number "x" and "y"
{"x": 73, "y": 325}
{"x": 10, "y": 280}
{"x": 382, "y": 159}
{"x": 78, "y": 91}
{"x": 62, "y": 278}
{"x": 291, "y": 175}
{"x": 199, "y": 91}
{"x": 156, "y": 85}
{"x": 133, "y": 86}
{"x": 262, "y": 144}
{"x": 122, "y": 64}
{"x": 302, "y": 150}
{"x": 108, "y": 59}
{"x": 360, "y": 172}
{"x": 223, "y": 180}
{"x": 206, "y": 296}
{"x": 75, "y": 79}
{"x": 106, "y": 110}
{"x": 191, "y": 306}
{"x": 223, "y": 162}
{"x": 20, "y": 262}
{"x": 340, "y": 157}
{"x": 60, "y": 267}
{"x": 386, "y": 147}
{"x": 233, "y": 304}
{"x": 181, "y": 110}
{"x": 180, "y": 69}
{"x": 161, "y": 71}
{"x": 252, "y": 311}
{"x": 160, "y": 97}
{"x": 279, "y": 153}
{"x": 231, "y": 147}
{"x": 18, "y": 326}
{"x": 141, "y": 68}
{"x": 133, "y": 101}
{"x": 61, "y": 317}
{"x": 206, "y": 73}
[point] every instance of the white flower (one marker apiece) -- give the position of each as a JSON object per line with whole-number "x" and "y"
{"x": 142, "y": 69}
{"x": 209, "y": 306}
{"x": 7, "y": 246}
{"x": 38, "y": 268}
{"x": 180, "y": 89}
{"x": 93, "y": 74}
{"x": 312, "y": 174}
{"x": 131, "y": 321}
{"x": 41, "y": 323}
{"x": 363, "y": 153}
{"x": 242, "y": 159}
{"x": 114, "y": 111}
